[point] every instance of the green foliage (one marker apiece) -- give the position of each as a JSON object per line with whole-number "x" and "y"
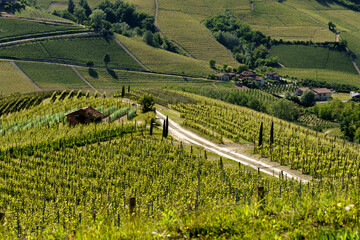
{"x": 308, "y": 99}
{"x": 212, "y": 63}
{"x": 106, "y": 59}
{"x": 71, "y": 6}
{"x": 147, "y": 103}
{"x": 284, "y": 109}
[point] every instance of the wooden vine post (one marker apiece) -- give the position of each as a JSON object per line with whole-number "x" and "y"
{"x": 132, "y": 206}
{"x": 261, "y": 197}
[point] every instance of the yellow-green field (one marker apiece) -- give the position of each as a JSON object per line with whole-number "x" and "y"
{"x": 159, "y": 60}
{"x": 11, "y": 80}
{"x": 147, "y": 6}
{"x": 341, "y": 96}
{"x": 322, "y": 75}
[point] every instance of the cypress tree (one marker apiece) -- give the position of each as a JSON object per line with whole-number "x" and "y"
{"x": 164, "y": 129}
{"x": 167, "y": 127}
{"x": 129, "y": 89}
{"x": 71, "y": 6}
{"x": 261, "y": 135}
{"x": 272, "y": 134}
{"x": 123, "y": 92}
{"x": 151, "y": 126}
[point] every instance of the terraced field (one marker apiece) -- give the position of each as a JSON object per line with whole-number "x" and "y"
{"x": 322, "y": 75}
{"x": 73, "y": 50}
{"x": 159, "y": 60}
{"x": 52, "y": 76}
{"x": 114, "y": 80}
{"x": 11, "y": 80}
{"x": 15, "y": 28}
{"x": 296, "y": 56}
{"x": 31, "y": 12}
{"x": 147, "y": 6}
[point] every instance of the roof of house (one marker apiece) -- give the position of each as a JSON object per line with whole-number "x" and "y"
{"x": 304, "y": 89}
{"x": 248, "y": 73}
{"x": 321, "y": 90}
{"x": 231, "y": 74}
{"x": 272, "y": 74}
{"x": 90, "y": 111}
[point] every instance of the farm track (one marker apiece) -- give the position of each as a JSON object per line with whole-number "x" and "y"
{"x": 26, "y": 76}
{"x": 84, "y": 79}
{"x": 46, "y": 37}
{"x": 131, "y": 54}
{"x": 270, "y": 168}
{"x": 162, "y": 35}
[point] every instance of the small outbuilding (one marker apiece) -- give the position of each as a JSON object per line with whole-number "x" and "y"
{"x": 248, "y": 75}
{"x": 84, "y": 116}
{"x": 300, "y": 91}
{"x": 273, "y": 76}
{"x": 223, "y": 77}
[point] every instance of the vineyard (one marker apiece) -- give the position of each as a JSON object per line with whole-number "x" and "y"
{"x": 59, "y": 181}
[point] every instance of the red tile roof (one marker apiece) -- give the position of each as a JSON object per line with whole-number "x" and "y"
{"x": 321, "y": 90}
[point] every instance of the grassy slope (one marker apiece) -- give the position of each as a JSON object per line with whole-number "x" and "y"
{"x": 322, "y": 75}
{"x": 52, "y": 76}
{"x": 294, "y": 56}
{"x": 181, "y": 21}
{"x": 31, "y": 12}
{"x": 159, "y": 60}
{"x": 104, "y": 79}
{"x": 75, "y": 50}
{"x": 11, "y": 80}
{"x": 19, "y": 28}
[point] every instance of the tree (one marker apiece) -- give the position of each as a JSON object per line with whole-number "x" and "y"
{"x": 123, "y": 91}
{"x": 85, "y": 5}
{"x": 308, "y": 99}
{"x": 149, "y": 38}
{"x": 332, "y": 26}
{"x": 212, "y": 63}
{"x": 79, "y": 13}
{"x": 284, "y": 109}
{"x": 106, "y": 59}
{"x": 71, "y": 6}
{"x": 89, "y": 63}
{"x": 261, "y": 135}
{"x": 147, "y": 102}
{"x": 272, "y": 133}
{"x": 129, "y": 89}
{"x": 165, "y": 127}
{"x": 151, "y": 126}
{"x": 97, "y": 19}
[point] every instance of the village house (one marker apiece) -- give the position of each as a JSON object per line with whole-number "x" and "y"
{"x": 273, "y": 76}
{"x": 259, "y": 80}
{"x": 248, "y": 75}
{"x": 84, "y": 116}
{"x": 223, "y": 77}
{"x": 322, "y": 94}
{"x": 300, "y": 91}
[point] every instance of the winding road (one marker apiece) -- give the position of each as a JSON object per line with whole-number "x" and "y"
{"x": 270, "y": 168}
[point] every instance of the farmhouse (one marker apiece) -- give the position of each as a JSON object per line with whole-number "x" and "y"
{"x": 259, "y": 80}
{"x": 322, "y": 94}
{"x": 223, "y": 77}
{"x": 300, "y": 91}
{"x": 84, "y": 116}
{"x": 273, "y": 76}
{"x": 248, "y": 75}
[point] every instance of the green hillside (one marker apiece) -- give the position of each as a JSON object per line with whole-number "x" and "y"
{"x": 159, "y": 60}
{"x": 73, "y": 50}
{"x": 115, "y": 80}
{"x": 15, "y": 28}
{"x": 52, "y": 76}
{"x": 11, "y": 80}
{"x": 297, "y": 56}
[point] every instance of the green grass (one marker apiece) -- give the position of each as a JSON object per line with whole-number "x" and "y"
{"x": 357, "y": 59}
{"x": 52, "y": 76}
{"x": 15, "y": 28}
{"x": 322, "y": 75}
{"x": 298, "y": 56}
{"x": 30, "y": 12}
{"x": 173, "y": 115}
{"x": 114, "y": 80}
{"x": 11, "y": 80}
{"x": 73, "y": 50}
{"x": 341, "y": 96}
{"x": 159, "y": 60}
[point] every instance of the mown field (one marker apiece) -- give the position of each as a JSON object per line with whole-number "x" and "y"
{"x": 295, "y": 56}
{"x": 15, "y": 28}
{"x": 11, "y": 80}
{"x": 114, "y": 80}
{"x": 159, "y": 60}
{"x": 73, "y": 50}
{"x": 52, "y": 76}
{"x": 322, "y": 75}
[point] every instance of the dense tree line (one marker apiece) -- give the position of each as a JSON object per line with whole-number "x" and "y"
{"x": 345, "y": 113}
{"x": 322, "y": 84}
{"x": 248, "y": 47}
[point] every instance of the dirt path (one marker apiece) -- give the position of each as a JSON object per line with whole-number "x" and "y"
{"x": 84, "y": 79}
{"x": 46, "y": 37}
{"x": 271, "y": 168}
{"x": 162, "y": 35}
{"x": 131, "y": 54}
{"x": 26, "y": 76}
